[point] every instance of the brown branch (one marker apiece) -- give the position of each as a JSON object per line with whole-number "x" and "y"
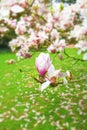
{"x": 54, "y": 84}
{"x": 77, "y": 59}
{"x": 69, "y": 82}
{"x": 40, "y": 17}
{"x": 39, "y": 81}
{"x": 72, "y": 81}
{"x": 32, "y": 3}
{"x": 77, "y": 80}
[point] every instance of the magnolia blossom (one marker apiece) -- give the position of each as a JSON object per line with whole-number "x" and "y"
{"x": 21, "y": 27}
{"x": 66, "y": 18}
{"x": 79, "y": 32}
{"x": 84, "y": 12}
{"x": 23, "y": 3}
{"x": 11, "y": 61}
{"x": 42, "y": 35}
{"x": 41, "y": 25}
{"x": 16, "y": 9}
{"x": 3, "y": 30}
{"x": 58, "y": 45}
{"x": 81, "y": 1}
{"x": 10, "y": 23}
{"x": 14, "y": 44}
{"x": 85, "y": 56}
{"x": 54, "y": 34}
{"x": 53, "y": 76}
{"x": 23, "y": 54}
{"x": 47, "y": 28}
{"x": 51, "y": 48}
{"x": 19, "y": 42}
{"x": 82, "y": 45}
{"x": 4, "y": 13}
{"x": 43, "y": 63}
{"x": 41, "y": 8}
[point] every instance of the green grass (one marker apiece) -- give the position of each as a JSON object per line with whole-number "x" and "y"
{"x": 24, "y": 107}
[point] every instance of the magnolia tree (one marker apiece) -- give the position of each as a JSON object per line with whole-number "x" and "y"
{"x": 32, "y": 24}
{"x": 35, "y": 23}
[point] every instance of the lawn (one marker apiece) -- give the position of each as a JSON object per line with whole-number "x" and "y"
{"x": 24, "y": 107}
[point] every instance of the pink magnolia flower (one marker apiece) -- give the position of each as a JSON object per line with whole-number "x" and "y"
{"x": 51, "y": 48}
{"x": 82, "y": 46}
{"x": 23, "y": 3}
{"x": 43, "y": 63}
{"x": 11, "y": 23}
{"x": 21, "y": 27}
{"x": 52, "y": 77}
{"x": 54, "y": 34}
{"x": 23, "y": 54}
{"x": 59, "y": 44}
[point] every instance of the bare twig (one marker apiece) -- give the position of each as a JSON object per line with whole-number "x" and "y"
{"x": 72, "y": 81}
{"x": 32, "y": 3}
{"x": 39, "y": 81}
{"x": 55, "y": 84}
{"x": 77, "y": 80}
{"x": 40, "y": 17}
{"x": 77, "y": 59}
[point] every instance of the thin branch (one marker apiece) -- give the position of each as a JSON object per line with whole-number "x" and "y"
{"x": 71, "y": 81}
{"x": 32, "y": 3}
{"x": 77, "y": 80}
{"x": 77, "y": 59}
{"x": 39, "y": 81}
{"x": 41, "y": 17}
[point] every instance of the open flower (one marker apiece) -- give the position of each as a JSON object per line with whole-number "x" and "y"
{"x": 54, "y": 73}
{"x": 48, "y": 74}
{"x": 21, "y": 27}
{"x": 16, "y": 9}
{"x": 52, "y": 77}
{"x": 43, "y": 63}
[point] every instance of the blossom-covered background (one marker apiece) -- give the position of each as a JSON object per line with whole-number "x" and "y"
{"x": 33, "y": 24}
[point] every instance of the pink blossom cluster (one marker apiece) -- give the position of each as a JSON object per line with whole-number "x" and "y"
{"x": 35, "y": 23}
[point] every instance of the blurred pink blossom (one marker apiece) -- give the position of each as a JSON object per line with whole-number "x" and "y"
{"x": 21, "y": 27}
